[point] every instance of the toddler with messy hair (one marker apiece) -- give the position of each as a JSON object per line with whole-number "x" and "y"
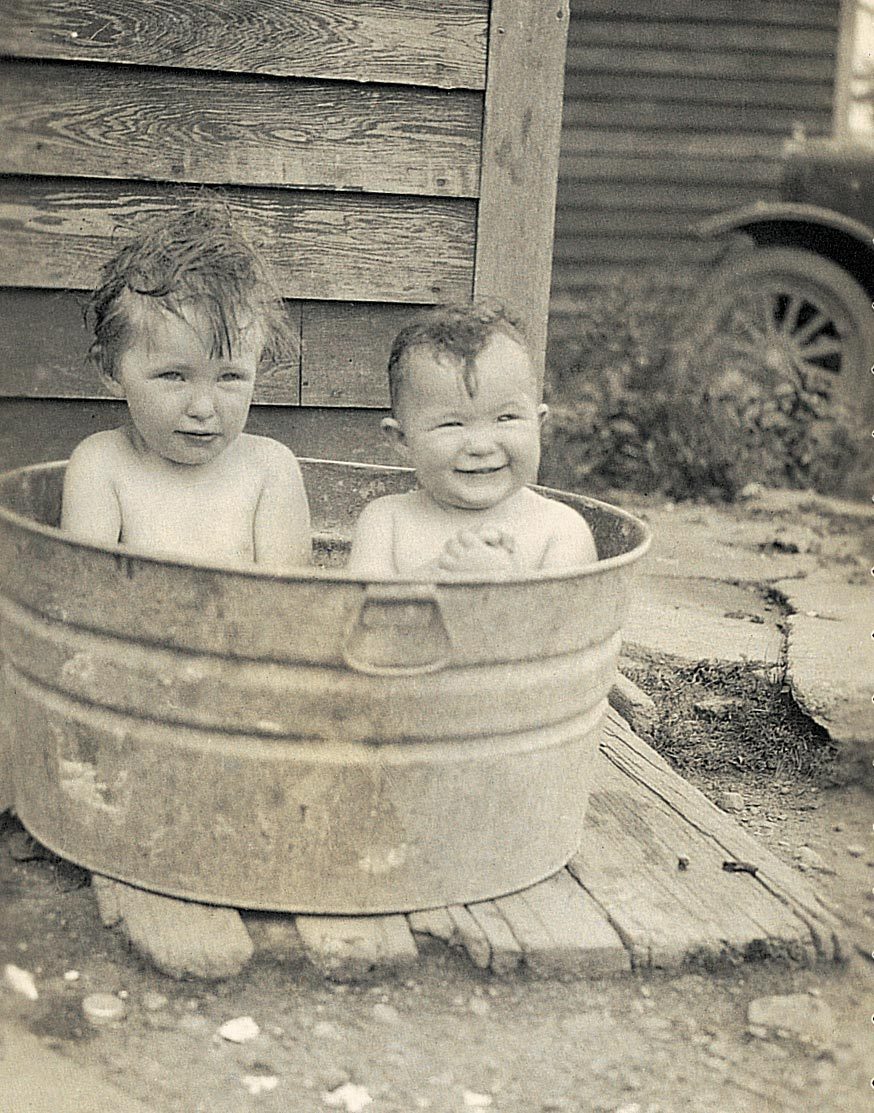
{"x": 183, "y": 316}
{"x": 466, "y": 413}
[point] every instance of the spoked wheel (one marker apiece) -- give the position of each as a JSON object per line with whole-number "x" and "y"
{"x": 783, "y": 313}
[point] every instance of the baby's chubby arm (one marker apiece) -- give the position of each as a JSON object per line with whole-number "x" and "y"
{"x": 571, "y": 544}
{"x": 282, "y": 531}
{"x": 372, "y": 542}
{"x": 90, "y": 510}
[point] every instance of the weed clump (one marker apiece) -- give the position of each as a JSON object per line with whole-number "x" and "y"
{"x": 718, "y": 717}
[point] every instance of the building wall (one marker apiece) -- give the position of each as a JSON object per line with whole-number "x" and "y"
{"x": 385, "y": 156}
{"x": 674, "y": 110}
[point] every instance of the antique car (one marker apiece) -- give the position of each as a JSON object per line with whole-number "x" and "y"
{"x": 795, "y": 285}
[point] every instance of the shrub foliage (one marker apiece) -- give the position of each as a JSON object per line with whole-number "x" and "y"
{"x": 640, "y": 399}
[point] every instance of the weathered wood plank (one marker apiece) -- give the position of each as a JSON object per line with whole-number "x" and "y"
{"x": 585, "y": 84}
{"x": 44, "y": 350}
{"x": 668, "y": 144}
{"x": 654, "y": 166}
{"x": 433, "y": 922}
{"x": 181, "y": 938}
{"x": 406, "y": 41}
{"x": 619, "y": 249}
{"x": 618, "y": 222}
{"x": 56, "y": 233}
{"x": 803, "y": 69}
{"x": 468, "y": 934}
{"x": 345, "y": 350}
{"x": 809, "y": 13}
{"x": 622, "y": 196}
{"x": 561, "y": 930}
{"x": 275, "y": 936}
{"x": 690, "y": 116}
{"x": 506, "y": 954}
{"x": 346, "y": 948}
{"x": 745, "y": 35}
{"x": 670, "y": 917}
{"x": 112, "y": 122}
{"x": 521, "y": 134}
{"x": 632, "y": 757}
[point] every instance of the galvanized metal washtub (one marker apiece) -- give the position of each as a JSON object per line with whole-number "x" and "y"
{"x": 304, "y": 743}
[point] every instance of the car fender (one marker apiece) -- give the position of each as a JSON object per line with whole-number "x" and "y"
{"x": 750, "y": 217}
{"x": 847, "y": 242}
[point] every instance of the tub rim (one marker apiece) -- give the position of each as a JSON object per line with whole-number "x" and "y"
{"x": 338, "y": 575}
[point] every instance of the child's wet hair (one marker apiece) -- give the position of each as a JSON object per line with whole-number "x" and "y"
{"x": 192, "y": 258}
{"x": 455, "y": 332}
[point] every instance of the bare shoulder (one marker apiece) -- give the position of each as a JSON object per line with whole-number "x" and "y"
{"x": 101, "y": 449}
{"x": 108, "y": 443}
{"x": 382, "y": 509}
{"x": 571, "y": 542}
{"x": 265, "y": 451}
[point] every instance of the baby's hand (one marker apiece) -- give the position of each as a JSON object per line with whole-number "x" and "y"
{"x": 489, "y": 552}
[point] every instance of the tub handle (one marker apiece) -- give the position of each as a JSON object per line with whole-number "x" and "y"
{"x": 399, "y": 631}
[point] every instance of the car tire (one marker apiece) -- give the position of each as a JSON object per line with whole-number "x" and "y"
{"x": 793, "y": 314}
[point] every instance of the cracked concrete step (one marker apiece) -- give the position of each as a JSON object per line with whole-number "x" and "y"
{"x": 830, "y": 661}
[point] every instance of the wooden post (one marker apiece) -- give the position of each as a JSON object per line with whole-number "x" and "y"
{"x": 521, "y": 134}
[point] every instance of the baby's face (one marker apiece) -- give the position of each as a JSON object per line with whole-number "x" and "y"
{"x": 472, "y": 453}
{"x": 186, "y": 405}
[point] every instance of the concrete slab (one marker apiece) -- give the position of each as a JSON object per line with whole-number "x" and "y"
{"x": 34, "y": 1079}
{"x": 712, "y": 546}
{"x": 827, "y": 595}
{"x": 829, "y": 669}
{"x": 696, "y": 634}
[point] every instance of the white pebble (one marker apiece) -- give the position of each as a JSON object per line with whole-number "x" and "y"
{"x": 388, "y": 1014}
{"x": 259, "y": 1083}
{"x": 353, "y": 1098}
{"x": 239, "y": 1030}
{"x": 103, "y": 1008}
{"x": 154, "y": 1001}
{"x": 72, "y": 976}
{"x": 21, "y": 981}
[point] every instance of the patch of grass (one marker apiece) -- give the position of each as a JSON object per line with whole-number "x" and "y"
{"x": 717, "y": 717}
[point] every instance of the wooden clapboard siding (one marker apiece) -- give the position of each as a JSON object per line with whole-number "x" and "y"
{"x": 699, "y": 116}
{"x": 383, "y": 155}
{"x": 760, "y": 13}
{"x": 55, "y": 233}
{"x": 119, "y": 122}
{"x": 667, "y": 90}
{"x": 751, "y": 38}
{"x": 44, "y": 346}
{"x": 804, "y": 68}
{"x": 654, "y": 165}
{"x": 639, "y": 197}
{"x": 345, "y": 351}
{"x": 407, "y": 41}
{"x": 675, "y": 110}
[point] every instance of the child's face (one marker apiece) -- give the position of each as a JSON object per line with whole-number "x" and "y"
{"x": 186, "y": 405}
{"x": 470, "y": 453}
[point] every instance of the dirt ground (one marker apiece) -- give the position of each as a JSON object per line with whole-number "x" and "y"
{"x": 445, "y": 1037}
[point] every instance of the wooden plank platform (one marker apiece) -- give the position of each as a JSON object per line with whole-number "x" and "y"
{"x": 663, "y": 879}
